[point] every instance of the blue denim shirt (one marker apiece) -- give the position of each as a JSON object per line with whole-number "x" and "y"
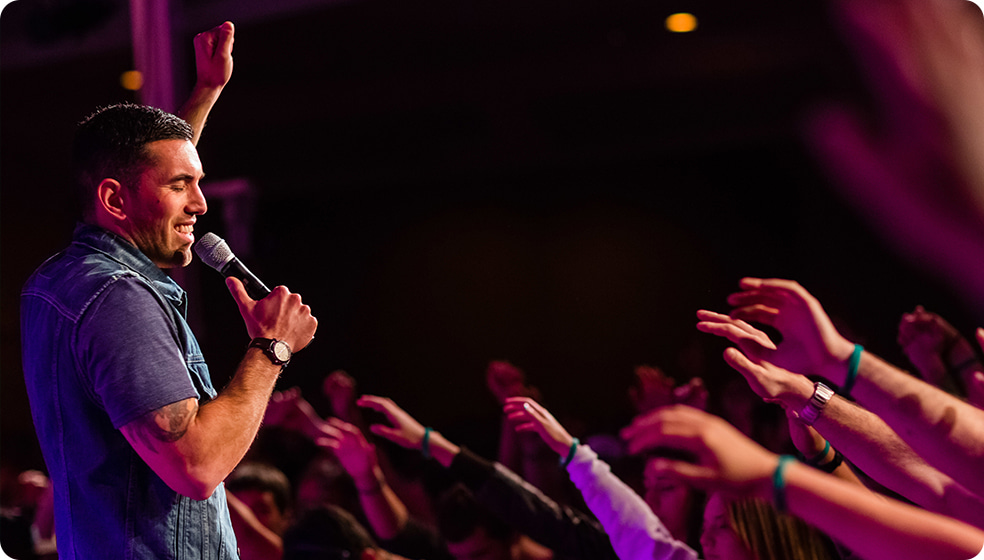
{"x": 105, "y": 341}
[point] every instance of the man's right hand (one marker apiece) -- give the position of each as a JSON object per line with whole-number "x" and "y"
{"x": 280, "y": 315}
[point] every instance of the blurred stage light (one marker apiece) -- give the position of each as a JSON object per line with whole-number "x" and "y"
{"x": 131, "y": 80}
{"x": 681, "y": 23}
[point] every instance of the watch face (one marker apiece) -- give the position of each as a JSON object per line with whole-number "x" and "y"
{"x": 281, "y": 350}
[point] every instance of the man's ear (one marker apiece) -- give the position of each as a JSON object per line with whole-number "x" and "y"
{"x": 109, "y": 199}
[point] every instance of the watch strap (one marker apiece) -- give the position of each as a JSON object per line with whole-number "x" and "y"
{"x": 267, "y": 345}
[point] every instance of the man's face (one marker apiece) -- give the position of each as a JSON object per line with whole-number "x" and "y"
{"x": 264, "y": 506}
{"x": 161, "y": 209}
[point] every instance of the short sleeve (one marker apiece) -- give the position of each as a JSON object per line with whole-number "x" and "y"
{"x": 129, "y": 349}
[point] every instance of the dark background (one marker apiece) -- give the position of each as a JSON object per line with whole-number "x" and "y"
{"x": 559, "y": 184}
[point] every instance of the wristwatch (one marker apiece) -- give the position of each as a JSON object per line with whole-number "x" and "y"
{"x": 814, "y": 407}
{"x": 277, "y": 350}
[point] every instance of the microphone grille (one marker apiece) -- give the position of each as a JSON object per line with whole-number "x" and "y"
{"x": 214, "y": 251}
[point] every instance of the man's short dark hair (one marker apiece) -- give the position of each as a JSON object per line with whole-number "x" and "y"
{"x": 459, "y": 515}
{"x": 111, "y": 143}
{"x": 326, "y": 533}
{"x": 264, "y": 478}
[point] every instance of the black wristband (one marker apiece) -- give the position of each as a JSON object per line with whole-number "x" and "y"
{"x": 833, "y": 464}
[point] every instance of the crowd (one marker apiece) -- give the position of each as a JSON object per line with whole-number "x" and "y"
{"x": 874, "y": 461}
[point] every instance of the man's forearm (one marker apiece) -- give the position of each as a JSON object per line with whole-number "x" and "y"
{"x": 947, "y": 432}
{"x": 195, "y": 111}
{"x": 872, "y": 526}
{"x": 877, "y": 450}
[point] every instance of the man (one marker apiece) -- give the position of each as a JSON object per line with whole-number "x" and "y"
{"x": 136, "y": 439}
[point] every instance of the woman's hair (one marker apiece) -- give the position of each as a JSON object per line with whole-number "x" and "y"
{"x": 771, "y": 535}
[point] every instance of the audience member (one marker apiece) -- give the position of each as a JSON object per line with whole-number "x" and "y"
{"x": 751, "y": 533}
{"x": 259, "y": 497}
{"x": 566, "y": 531}
{"x": 724, "y": 460}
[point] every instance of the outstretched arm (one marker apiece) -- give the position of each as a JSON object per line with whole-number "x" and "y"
{"x": 565, "y": 530}
{"x": 386, "y": 513}
{"x": 946, "y": 431}
{"x": 872, "y": 526}
{"x": 213, "y": 65}
{"x": 860, "y": 435}
{"x": 635, "y": 531}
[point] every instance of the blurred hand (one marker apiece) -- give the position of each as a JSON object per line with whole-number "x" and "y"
{"x": 652, "y": 389}
{"x": 925, "y": 338}
{"x": 349, "y": 445}
{"x": 506, "y": 380}
{"x": 528, "y": 416}
{"x": 724, "y": 459}
{"x": 289, "y": 410}
{"x": 339, "y": 387}
{"x": 403, "y": 430}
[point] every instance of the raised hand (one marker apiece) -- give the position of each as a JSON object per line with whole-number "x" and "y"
{"x": 289, "y": 410}
{"x": 339, "y": 387}
{"x": 213, "y": 55}
{"x": 651, "y": 389}
{"x": 506, "y": 380}
{"x": 403, "y": 430}
{"x": 528, "y": 416}
{"x": 724, "y": 459}
{"x": 349, "y": 445}
{"x": 811, "y": 344}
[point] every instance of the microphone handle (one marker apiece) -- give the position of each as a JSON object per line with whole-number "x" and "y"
{"x": 254, "y": 287}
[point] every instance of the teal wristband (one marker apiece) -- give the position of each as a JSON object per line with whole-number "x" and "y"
{"x": 425, "y": 444}
{"x": 779, "y": 483}
{"x": 813, "y": 461}
{"x": 570, "y": 454}
{"x": 852, "y": 370}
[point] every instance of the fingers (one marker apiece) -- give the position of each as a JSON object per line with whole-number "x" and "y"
{"x": 379, "y": 404}
{"x": 979, "y": 334}
{"x": 388, "y": 433}
{"x": 734, "y": 329}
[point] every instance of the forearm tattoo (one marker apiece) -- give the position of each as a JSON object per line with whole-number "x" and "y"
{"x": 167, "y": 424}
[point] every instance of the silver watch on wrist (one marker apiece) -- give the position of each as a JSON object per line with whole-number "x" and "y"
{"x": 814, "y": 407}
{"x": 277, "y": 350}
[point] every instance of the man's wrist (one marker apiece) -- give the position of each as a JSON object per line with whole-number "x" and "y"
{"x": 838, "y": 364}
{"x": 797, "y": 394}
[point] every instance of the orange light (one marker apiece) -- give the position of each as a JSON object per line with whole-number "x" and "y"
{"x": 681, "y": 23}
{"x": 131, "y": 80}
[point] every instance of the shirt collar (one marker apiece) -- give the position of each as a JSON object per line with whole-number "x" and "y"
{"x": 127, "y": 254}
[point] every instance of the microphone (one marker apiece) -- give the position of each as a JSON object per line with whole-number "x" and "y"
{"x": 215, "y": 252}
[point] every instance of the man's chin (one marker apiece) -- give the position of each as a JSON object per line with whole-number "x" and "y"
{"x": 179, "y": 259}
